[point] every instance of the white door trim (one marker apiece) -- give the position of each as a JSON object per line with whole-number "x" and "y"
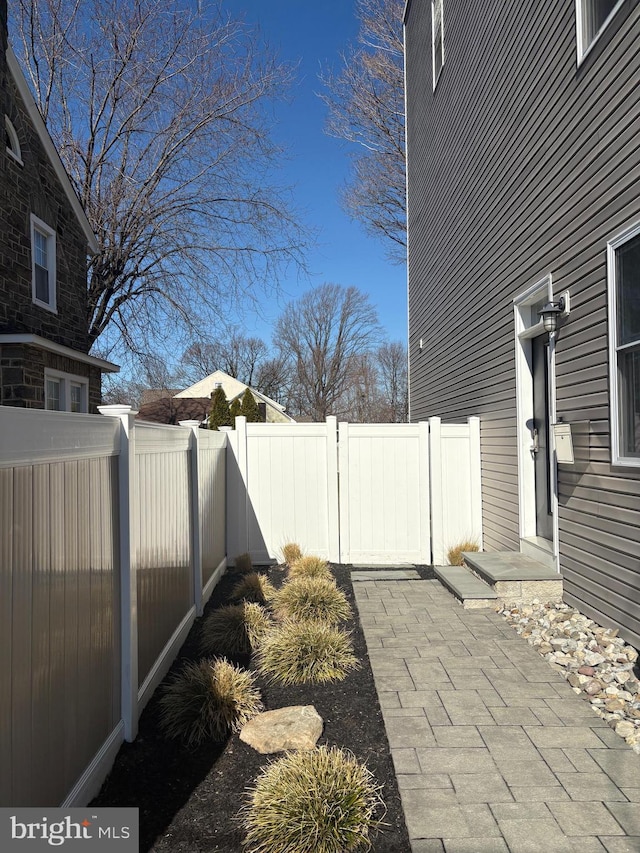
{"x": 527, "y": 326}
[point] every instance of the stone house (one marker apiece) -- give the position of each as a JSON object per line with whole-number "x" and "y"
{"x": 44, "y": 241}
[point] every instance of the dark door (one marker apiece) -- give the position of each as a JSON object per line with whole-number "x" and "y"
{"x": 540, "y": 362}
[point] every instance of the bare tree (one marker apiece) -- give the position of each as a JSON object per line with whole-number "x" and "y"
{"x": 245, "y": 358}
{"x": 392, "y": 372}
{"x": 231, "y": 351}
{"x": 322, "y": 333}
{"x": 157, "y": 109}
{"x": 366, "y": 107}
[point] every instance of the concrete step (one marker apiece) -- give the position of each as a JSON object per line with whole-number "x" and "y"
{"x": 515, "y": 576}
{"x": 467, "y": 588}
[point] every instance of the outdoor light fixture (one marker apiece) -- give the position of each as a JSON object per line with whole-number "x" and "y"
{"x": 550, "y": 314}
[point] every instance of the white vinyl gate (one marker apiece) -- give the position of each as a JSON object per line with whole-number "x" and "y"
{"x": 374, "y": 494}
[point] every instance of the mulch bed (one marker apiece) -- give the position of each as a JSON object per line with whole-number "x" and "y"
{"x": 189, "y": 798}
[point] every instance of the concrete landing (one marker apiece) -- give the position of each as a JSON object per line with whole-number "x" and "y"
{"x": 385, "y": 575}
{"x": 516, "y": 577}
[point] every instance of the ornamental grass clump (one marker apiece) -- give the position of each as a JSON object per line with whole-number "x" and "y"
{"x": 305, "y": 653}
{"x": 208, "y": 699}
{"x": 454, "y": 554}
{"x": 254, "y": 588}
{"x": 235, "y": 629}
{"x": 243, "y": 563}
{"x": 291, "y": 553}
{"x": 310, "y": 567}
{"x": 305, "y": 598}
{"x": 317, "y": 801}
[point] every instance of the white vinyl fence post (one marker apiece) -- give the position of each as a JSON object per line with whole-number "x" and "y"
{"x": 333, "y": 518}
{"x": 425, "y": 494}
{"x": 128, "y": 580}
{"x": 243, "y": 466}
{"x": 343, "y": 466}
{"x": 475, "y": 477}
{"x": 437, "y": 502}
{"x": 194, "y": 515}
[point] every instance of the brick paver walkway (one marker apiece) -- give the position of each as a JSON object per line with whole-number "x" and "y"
{"x": 492, "y": 749}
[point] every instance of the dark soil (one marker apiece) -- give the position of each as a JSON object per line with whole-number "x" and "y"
{"x": 189, "y": 798}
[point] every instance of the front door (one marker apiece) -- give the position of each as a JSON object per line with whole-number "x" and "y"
{"x": 540, "y": 435}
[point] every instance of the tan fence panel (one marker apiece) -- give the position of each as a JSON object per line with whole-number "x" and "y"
{"x": 59, "y": 625}
{"x": 212, "y": 457}
{"x": 162, "y": 538}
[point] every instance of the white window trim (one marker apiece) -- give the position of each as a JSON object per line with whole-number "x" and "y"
{"x": 14, "y": 148}
{"x": 614, "y": 389}
{"x": 584, "y": 50}
{"x": 436, "y": 77}
{"x": 65, "y": 380}
{"x": 39, "y": 225}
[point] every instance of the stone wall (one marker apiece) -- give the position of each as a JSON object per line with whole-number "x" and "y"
{"x": 34, "y": 188}
{"x": 22, "y": 376}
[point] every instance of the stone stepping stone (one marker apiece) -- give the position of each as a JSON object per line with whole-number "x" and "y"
{"x": 294, "y": 727}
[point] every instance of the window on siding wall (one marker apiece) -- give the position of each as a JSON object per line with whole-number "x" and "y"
{"x": 624, "y": 307}
{"x": 592, "y": 18}
{"x": 64, "y": 392}
{"x": 437, "y": 29}
{"x": 43, "y": 264}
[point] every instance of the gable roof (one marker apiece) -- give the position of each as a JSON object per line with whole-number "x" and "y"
{"x": 50, "y": 149}
{"x": 232, "y": 388}
{"x": 168, "y": 410}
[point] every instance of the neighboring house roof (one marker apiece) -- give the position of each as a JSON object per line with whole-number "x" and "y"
{"x": 169, "y": 410}
{"x": 232, "y": 388}
{"x": 49, "y": 147}
{"x": 150, "y": 395}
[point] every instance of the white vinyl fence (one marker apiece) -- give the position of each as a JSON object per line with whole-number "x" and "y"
{"x": 357, "y": 493}
{"x": 112, "y": 536}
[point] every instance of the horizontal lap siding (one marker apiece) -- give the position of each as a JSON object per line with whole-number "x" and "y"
{"x": 521, "y": 165}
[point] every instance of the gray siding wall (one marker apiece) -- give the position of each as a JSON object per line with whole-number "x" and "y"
{"x": 522, "y": 164}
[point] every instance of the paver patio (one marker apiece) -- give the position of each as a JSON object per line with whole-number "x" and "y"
{"x": 493, "y": 751}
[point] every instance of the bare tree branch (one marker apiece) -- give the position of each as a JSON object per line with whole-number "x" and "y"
{"x": 158, "y": 110}
{"x": 366, "y": 108}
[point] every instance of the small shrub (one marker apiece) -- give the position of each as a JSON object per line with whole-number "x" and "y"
{"x": 254, "y": 588}
{"x": 454, "y": 554}
{"x": 243, "y": 563}
{"x": 305, "y": 653}
{"x": 310, "y": 567}
{"x": 305, "y": 598}
{"x": 317, "y": 801}
{"x": 234, "y": 630}
{"x": 249, "y": 408}
{"x": 208, "y": 699}
{"x": 291, "y": 553}
{"x": 219, "y": 413}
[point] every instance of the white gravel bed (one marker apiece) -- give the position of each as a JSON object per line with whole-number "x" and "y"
{"x": 597, "y": 663}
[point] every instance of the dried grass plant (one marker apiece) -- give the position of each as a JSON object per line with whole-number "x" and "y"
{"x": 317, "y": 801}
{"x": 207, "y": 700}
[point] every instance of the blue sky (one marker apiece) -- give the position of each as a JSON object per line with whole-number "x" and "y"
{"x": 313, "y": 34}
